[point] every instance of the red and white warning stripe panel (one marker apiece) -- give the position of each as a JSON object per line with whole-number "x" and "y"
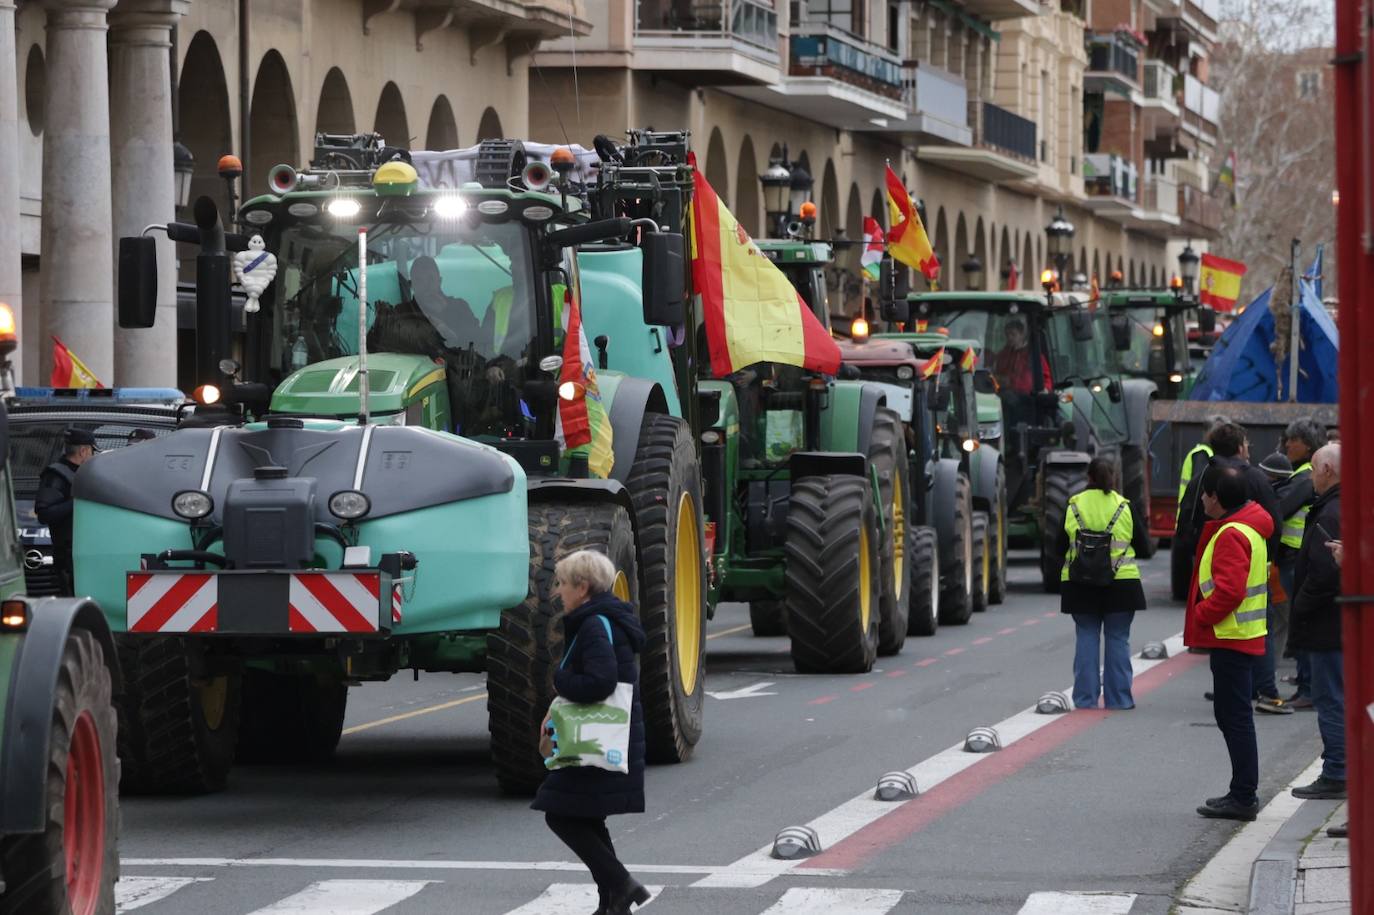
{"x": 334, "y": 601}
{"x": 172, "y": 603}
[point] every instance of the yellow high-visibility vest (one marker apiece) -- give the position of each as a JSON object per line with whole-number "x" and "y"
{"x": 1248, "y": 620}
{"x": 501, "y": 301}
{"x": 1295, "y": 524}
{"x": 1185, "y": 474}
{"x": 1097, "y": 508}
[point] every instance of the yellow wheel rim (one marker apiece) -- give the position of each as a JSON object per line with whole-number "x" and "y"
{"x": 214, "y": 699}
{"x": 687, "y": 594}
{"x": 898, "y": 537}
{"x": 1001, "y": 545}
{"x": 987, "y": 565}
{"x": 621, "y": 586}
{"x": 865, "y": 581}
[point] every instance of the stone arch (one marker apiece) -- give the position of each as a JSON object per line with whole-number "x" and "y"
{"x": 954, "y": 269}
{"x": 1082, "y": 265}
{"x": 1030, "y": 267}
{"x": 1006, "y": 252}
{"x": 879, "y": 208}
{"x": 272, "y": 122}
{"x": 35, "y": 90}
{"x": 1154, "y": 277}
{"x": 747, "y": 205}
{"x": 335, "y": 111}
{"x": 203, "y": 116}
{"x": 980, "y": 248}
{"x": 775, "y": 152}
{"x": 1121, "y": 267}
{"x": 854, "y": 218}
{"x": 717, "y": 169}
{"x": 442, "y": 132}
{"x": 1039, "y": 258}
{"x": 489, "y": 127}
{"x": 830, "y": 201}
{"x": 390, "y": 120}
{"x": 1130, "y": 275}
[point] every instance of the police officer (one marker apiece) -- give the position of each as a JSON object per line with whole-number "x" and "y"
{"x": 53, "y": 502}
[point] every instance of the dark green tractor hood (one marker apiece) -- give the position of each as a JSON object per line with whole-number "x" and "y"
{"x": 330, "y": 388}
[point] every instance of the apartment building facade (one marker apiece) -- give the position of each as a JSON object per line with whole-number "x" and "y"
{"x": 983, "y": 106}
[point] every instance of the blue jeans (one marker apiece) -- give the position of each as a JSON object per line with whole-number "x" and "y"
{"x": 1328, "y": 698}
{"x": 1233, "y": 684}
{"x": 1286, "y": 575}
{"x": 1265, "y": 685}
{"x": 1113, "y": 679}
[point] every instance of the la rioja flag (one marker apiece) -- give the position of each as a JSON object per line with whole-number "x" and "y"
{"x": 872, "y": 257}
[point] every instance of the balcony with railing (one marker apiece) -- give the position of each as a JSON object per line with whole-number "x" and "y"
{"x": 1158, "y": 210}
{"x": 1113, "y": 64}
{"x": 1111, "y": 178}
{"x": 1201, "y": 108}
{"x": 820, "y": 50}
{"x": 1199, "y": 210}
{"x": 1162, "y": 86}
{"x": 937, "y": 105}
{"x": 1004, "y": 146}
{"x": 709, "y": 41}
{"x": 1202, "y": 17}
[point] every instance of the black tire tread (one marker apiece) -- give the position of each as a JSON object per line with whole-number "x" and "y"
{"x": 956, "y": 598}
{"x": 997, "y": 588}
{"x": 1060, "y": 483}
{"x": 822, "y": 581}
{"x": 768, "y": 618}
{"x": 888, "y": 455}
{"x": 924, "y": 616}
{"x": 982, "y": 543}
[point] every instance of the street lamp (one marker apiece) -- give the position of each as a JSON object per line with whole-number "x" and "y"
{"x": 183, "y": 167}
{"x": 777, "y": 185}
{"x": 801, "y": 185}
{"x": 1187, "y": 267}
{"x": 1059, "y": 240}
{"x": 973, "y": 272}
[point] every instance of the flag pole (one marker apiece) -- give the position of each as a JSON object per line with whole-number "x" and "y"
{"x": 1295, "y": 339}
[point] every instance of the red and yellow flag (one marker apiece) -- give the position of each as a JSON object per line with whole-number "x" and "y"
{"x": 1219, "y": 282}
{"x": 907, "y": 239}
{"x": 969, "y": 359}
{"x": 69, "y": 371}
{"x": 931, "y": 367}
{"x": 752, "y": 311}
{"x": 583, "y": 423}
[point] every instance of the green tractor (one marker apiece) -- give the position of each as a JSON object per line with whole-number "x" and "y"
{"x": 1150, "y": 333}
{"x": 1064, "y": 401}
{"x": 804, "y": 261}
{"x": 403, "y": 500}
{"x": 59, "y": 798}
{"x": 805, "y": 477}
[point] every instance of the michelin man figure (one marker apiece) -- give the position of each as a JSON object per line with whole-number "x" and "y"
{"x": 254, "y": 269}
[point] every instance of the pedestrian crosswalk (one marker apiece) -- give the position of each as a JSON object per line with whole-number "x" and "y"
{"x": 150, "y": 895}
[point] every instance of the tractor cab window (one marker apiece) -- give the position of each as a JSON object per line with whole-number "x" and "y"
{"x": 1005, "y": 346}
{"x": 1148, "y": 354}
{"x": 460, "y": 294}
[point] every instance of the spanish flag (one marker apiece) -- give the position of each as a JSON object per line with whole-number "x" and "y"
{"x": 1219, "y": 282}
{"x": 931, "y": 367}
{"x": 583, "y": 424}
{"x": 69, "y": 371}
{"x": 969, "y": 359}
{"x": 752, "y": 311}
{"x": 907, "y": 239}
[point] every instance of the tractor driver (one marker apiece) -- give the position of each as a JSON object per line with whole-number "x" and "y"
{"x": 1012, "y": 368}
{"x": 451, "y": 316}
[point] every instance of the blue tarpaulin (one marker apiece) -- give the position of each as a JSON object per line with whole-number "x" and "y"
{"x": 1242, "y": 367}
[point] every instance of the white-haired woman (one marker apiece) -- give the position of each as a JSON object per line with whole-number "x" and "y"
{"x": 577, "y": 800}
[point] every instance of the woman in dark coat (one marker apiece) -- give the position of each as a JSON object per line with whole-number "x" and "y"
{"x": 1102, "y": 613}
{"x": 577, "y": 800}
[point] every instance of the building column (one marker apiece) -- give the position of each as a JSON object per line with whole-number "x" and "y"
{"x": 11, "y": 283}
{"x": 143, "y": 183}
{"x": 76, "y": 284}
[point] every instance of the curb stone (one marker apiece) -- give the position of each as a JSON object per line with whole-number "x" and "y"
{"x": 1274, "y": 875}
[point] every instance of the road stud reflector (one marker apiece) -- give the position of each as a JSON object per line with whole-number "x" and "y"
{"x": 796, "y": 842}
{"x": 982, "y": 740}
{"x": 896, "y": 786}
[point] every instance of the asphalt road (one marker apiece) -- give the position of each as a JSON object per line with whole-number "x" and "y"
{"x": 407, "y": 817}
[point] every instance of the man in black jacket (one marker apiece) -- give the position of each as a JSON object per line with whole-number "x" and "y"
{"x": 1316, "y": 621}
{"x": 53, "y": 502}
{"x": 1301, "y": 439}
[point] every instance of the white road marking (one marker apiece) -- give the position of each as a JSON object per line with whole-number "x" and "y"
{"x": 1225, "y": 882}
{"x": 383, "y": 864}
{"x": 759, "y": 867}
{"x": 812, "y": 900}
{"x": 136, "y": 892}
{"x": 562, "y": 898}
{"x": 1078, "y": 904}
{"x": 345, "y": 897}
{"x": 746, "y": 692}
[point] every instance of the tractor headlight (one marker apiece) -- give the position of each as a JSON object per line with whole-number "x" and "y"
{"x": 349, "y": 504}
{"x": 905, "y": 372}
{"x": 192, "y": 504}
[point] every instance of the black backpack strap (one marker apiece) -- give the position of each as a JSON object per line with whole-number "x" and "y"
{"x": 1111, "y": 526}
{"x": 1073, "y": 507}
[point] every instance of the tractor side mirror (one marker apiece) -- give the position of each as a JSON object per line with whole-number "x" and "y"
{"x": 1121, "y": 332}
{"x": 588, "y": 232}
{"x": 892, "y": 302}
{"x": 984, "y": 382}
{"x": 1207, "y": 320}
{"x": 665, "y": 279}
{"x": 1114, "y": 390}
{"x": 137, "y": 281}
{"x": 1081, "y": 322}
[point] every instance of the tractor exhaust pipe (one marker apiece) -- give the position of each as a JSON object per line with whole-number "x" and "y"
{"x": 363, "y": 386}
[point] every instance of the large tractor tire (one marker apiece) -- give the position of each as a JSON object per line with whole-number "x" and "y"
{"x": 177, "y": 731}
{"x": 768, "y": 617}
{"x": 956, "y": 575}
{"x": 1060, "y": 483}
{"x": 888, "y": 456}
{"x": 832, "y": 581}
{"x": 71, "y": 866}
{"x": 997, "y": 584}
{"x": 1135, "y": 485}
{"x": 523, "y": 654}
{"x": 290, "y": 718}
{"x": 924, "y": 616}
{"x": 665, "y": 484}
{"x": 982, "y": 561}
